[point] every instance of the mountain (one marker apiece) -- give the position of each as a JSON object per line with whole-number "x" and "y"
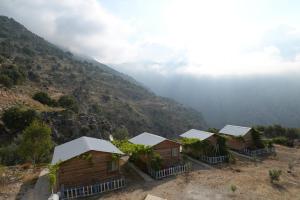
{"x": 107, "y": 99}
{"x": 242, "y": 100}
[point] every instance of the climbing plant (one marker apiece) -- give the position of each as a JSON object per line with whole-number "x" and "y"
{"x": 53, "y": 169}
{"x": 136, "y": 151}
{"x": 222, "y": 148}
{"x": 196, "y": 147}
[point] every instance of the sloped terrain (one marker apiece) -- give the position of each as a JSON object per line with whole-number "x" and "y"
{"x": 107, "y": 99}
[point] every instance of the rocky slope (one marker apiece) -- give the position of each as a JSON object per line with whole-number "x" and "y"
{"x": 107, "y": 99}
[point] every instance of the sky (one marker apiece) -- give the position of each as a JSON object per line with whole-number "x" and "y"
{"x": 193, "y": 37}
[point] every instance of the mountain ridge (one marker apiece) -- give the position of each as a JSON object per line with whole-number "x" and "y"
{"x": 107, "y": 99}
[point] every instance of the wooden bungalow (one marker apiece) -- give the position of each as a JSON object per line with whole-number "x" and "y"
{"x": 168, "y": 150}
{"x": 200, "y": 135}
{"x": 211, "y": 154}
{"x": 246, "y": 140}
{"x": 239, "y": 137}
{"x": 87, "y": 166}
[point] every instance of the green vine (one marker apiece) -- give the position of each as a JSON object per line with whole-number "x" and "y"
{"x": 115, "y": 156}
{"x": 88, "y": 157}
{"x": 136, "y": 151}
{"x": 52, "y": 175}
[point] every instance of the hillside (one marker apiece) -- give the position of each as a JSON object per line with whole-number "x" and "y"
{"x": 243, "y": 100}
{"x": 107, "y": 99}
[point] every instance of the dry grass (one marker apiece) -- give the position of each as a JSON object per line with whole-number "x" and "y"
{"x": 251, "y": 180}
{"x": 17, "y": 180}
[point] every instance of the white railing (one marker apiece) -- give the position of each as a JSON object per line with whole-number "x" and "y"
{"x": 179, "y": 169}
{"x": 84, "y": 191}
{"x": 258, "y": 152}
{"x": 213, "y": 159}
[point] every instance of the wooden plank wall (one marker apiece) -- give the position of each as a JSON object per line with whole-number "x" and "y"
{"x": 165, "y": 150}
{"x": 80, "y": 172}
{"x": 238, "y": 144}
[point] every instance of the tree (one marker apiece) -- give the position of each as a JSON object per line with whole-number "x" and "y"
{"x": 256, "y": 138}
{"x": 17, "y": 119}
{"x": 44, "y": 98}
{"x": 120, "y": 133}
{"x": 68, "y": 102}
{"x": 36, "y": 142}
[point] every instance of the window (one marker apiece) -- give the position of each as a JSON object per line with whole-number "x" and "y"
{"x": 112, "y": 166}
{"x": 174, "y": 152}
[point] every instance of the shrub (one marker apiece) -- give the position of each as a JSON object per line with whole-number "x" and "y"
{"x": 14, "y": 73}
{"x": 280, "y": 140}
{"x": 17, "y": 119}
{"x": 156, "y": 161}
{"x": 233, "y": 188}
{"x": 274, "y": 174}
{"x": 68, "y": 102}
{"x": 9, "y": 154}
{"x": 36, "y": 142}
{"x": 44, "y": 98}
{"x": 120, "y": 134}
{"x": 6, "y": 81}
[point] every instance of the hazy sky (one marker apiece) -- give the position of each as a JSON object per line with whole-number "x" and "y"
{"x": 171, "y": 36}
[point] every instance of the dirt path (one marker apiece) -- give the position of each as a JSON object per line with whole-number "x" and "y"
{"x": 41, "y": 188}
{"x": 250, "y": 178}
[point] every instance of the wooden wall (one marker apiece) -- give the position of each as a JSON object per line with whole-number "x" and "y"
{"x": 238, "y": 144}
{"x": 165, "y": 150}
{"x": 80, "y": 172}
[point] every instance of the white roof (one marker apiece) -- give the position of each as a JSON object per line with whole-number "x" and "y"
{"x": 81, "y": 145}
{"x": 197, "y": 134}
{"x": 235, "y": 130}
{"x": 147, "y": 139}
{"x": 152, "y": 197}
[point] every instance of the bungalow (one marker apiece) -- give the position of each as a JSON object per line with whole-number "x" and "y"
{"x": 239, "y": 137}
{"x": 200, "y": 135}
{"x": 167, "y": 149}
{"x": 246, "y": 140}
{"x": 208, "y": 149}
{"x": 86, "y": 166}
{"x": 169, "y": 152}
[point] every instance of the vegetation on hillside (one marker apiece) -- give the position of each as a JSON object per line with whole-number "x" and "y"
{"x": 98, "y": 100}
{"x": 280, "y": 135}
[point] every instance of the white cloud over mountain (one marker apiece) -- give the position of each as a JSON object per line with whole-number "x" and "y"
{"x": 194, "y": 37}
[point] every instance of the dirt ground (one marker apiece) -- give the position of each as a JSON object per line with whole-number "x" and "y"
{"x": 15, "y": 181}
{"x": 250, "y": 178}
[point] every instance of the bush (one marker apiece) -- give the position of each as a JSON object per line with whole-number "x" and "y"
{"x": 36, "y": 142}
{"x": 120, "y": 134}
{"x": 9, "y": 154}
{"x": 17, "y": 119}
{"x": 274, "y": 174}
{"x": 233, "y": 188}
{"x": 12, "y": 74}
{"x": 6, "y": 81}
{"x": 68, "y": 102}
{"x": 256, "y": 138}
{"x": 280, "y": 140}
{"x": 44, "y": 98}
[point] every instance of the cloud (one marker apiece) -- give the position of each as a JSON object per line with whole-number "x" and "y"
{"x": 286, "y": 39}
{"x": 83, "y": 26}
{"x": 200, "y": 39}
